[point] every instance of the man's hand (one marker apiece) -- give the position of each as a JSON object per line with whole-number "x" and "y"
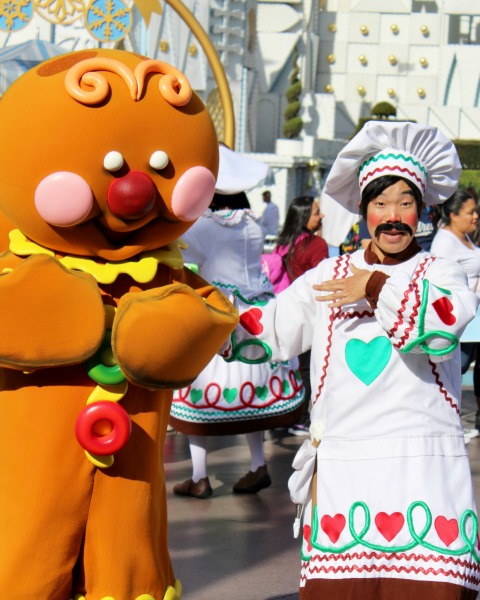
{"x": 344, "y": 291}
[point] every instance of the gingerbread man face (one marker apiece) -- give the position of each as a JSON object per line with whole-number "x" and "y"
{"x": 105, "y": 153}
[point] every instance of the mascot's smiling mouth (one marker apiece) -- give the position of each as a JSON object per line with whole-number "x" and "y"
{"x": 117, "y": 238}
{"x": 144, "y": 237}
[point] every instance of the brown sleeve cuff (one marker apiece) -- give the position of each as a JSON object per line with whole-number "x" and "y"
{"x": 374, "y": 286}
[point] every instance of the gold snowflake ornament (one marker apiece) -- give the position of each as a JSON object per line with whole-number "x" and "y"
{"x": 60, "y": 12}
{"x": 108, "y": 20}
{"x": 15, "y": 14}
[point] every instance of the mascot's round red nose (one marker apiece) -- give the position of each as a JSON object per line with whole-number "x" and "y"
{"x": 132, "y": 196}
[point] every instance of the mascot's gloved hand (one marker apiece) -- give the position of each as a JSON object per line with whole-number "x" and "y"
{"x": 42, "y": 327}
{"x": 163, "y": 338}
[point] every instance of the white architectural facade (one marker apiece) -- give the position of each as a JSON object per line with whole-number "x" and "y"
{"x": 422, "y": 56}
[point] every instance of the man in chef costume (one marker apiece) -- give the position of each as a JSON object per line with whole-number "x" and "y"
{"x": 386, "y": 507}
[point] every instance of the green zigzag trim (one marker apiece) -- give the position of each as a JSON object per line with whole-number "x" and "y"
{"x": 230, "y": 286}
{"x": 394, "y": 156}
{"x": 184, "y": 410}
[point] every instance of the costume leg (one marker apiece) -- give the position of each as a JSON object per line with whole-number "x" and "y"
{"x": 255, "y": 443}
{"x": 198, "y": 452}
{"x": 257, "y": 478}
{"x": 125, "y": 552}
{"x": 45, "y": 484}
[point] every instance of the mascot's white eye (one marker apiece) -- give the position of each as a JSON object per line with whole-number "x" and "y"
{"x": 113, "y": 161}
{"x": 159, "y": 160}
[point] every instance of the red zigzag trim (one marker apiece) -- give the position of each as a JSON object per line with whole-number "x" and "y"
{"x": 336, "y": 270}
{"x": 442, "y": 388}
{"x": 393, "y": 568}
{"x": 393, "y": 168}
{"x": 413, "y": 287}
{"x": 394, "y": 556}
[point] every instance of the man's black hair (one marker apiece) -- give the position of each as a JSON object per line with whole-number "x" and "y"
{"x": 377, "y": 186}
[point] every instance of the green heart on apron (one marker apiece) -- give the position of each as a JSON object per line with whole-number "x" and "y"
{"x": 195, "y": 395}
{"x": 262, "y": 392}
{"x": 366, "y": 360}
{"x": 230, "y": 394}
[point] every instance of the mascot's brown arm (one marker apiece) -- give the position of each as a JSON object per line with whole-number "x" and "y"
{"x": 164, "y": 337}
{"x": 49, "y": 316}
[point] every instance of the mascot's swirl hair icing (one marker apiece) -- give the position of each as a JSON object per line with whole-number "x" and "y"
{"x": 173, "y": 86}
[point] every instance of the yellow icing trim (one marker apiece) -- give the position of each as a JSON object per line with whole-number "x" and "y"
{"x": 21, "y": 246}
{"x": 102, "y": 462}
{"x": 172, "y": 593}
{"x": 108, "y": 393}
{"x": 142, "y": 270}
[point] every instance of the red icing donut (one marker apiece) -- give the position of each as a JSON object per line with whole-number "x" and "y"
{"x": 103, "y": 428}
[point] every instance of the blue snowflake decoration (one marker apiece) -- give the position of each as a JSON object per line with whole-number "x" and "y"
{"x": 108, "y": 20}
{"x": 15, "y": 14}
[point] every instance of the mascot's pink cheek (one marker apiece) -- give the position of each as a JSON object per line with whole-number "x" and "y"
{"x": 63, "y": 199}
{"x": 193, "y": 193}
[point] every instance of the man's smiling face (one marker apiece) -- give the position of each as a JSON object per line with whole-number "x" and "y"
{"x": 392, "y": 219}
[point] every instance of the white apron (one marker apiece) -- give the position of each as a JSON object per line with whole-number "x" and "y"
{"x": 392, "y": 496}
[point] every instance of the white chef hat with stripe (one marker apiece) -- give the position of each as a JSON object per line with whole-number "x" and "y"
{"x": 420, "y": 153}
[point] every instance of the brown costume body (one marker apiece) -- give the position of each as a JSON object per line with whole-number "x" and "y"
{"x": 68, "y": 527}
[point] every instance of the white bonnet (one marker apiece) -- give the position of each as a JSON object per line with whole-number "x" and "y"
{"x": 416, "y": 152}
{"x": 239, "y": 173}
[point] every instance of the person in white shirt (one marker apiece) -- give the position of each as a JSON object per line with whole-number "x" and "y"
{"x": 459, "y": 216}
{"x": 270, "y": 220}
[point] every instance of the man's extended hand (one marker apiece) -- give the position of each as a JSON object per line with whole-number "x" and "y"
{"x": 344, "y": 291}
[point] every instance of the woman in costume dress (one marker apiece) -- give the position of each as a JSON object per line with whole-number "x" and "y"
{"x": 230, "y": 398}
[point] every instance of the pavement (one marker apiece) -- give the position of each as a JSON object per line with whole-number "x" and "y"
{"x": 235, "y": 547}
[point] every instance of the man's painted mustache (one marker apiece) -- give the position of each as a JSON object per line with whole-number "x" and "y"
{"x": 397, "y": 226}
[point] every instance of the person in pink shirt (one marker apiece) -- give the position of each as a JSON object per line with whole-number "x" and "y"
{"x": 301, "y": 249}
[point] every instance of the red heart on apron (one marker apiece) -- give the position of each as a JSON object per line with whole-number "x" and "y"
{"x": 447, "y": 530}
{"x": 333, "y": 526}
{"x": 444, "y": 309}
{"x": 389, "y": 525}
{"x": 307, "y": 532}
{"x": 250, "y": 320}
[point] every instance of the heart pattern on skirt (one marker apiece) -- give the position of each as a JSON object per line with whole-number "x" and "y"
{"x": 333, "y": 526}
{"x": 447, "y": 530}
{"x": 389, "y": 525}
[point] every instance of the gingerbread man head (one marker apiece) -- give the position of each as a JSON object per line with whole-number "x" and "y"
{"x": 105, "y": 153}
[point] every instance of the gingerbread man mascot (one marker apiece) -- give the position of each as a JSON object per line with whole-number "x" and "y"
{"x": 106, "y": 158}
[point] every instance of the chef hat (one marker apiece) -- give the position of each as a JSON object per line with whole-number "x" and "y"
{"x": 239, "y": 173}
{"x": 419, "y": 153}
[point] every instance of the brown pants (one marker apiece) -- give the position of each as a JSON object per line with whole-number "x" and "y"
{"x": 383, "y": 589}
